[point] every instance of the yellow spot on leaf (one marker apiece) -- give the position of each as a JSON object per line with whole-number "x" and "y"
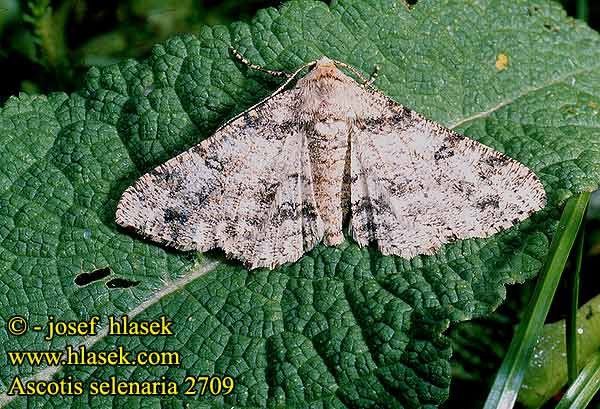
{"x": 592, "y": 105}
{"x": 501, "y": 62}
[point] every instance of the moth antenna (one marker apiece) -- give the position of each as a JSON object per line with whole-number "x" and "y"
{"x": 256, "y": 67}
{"x": 366, "y": 81}
{"x": 290, "y": 78}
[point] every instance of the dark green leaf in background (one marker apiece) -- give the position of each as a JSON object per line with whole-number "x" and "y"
{"x": 343, "y": 327}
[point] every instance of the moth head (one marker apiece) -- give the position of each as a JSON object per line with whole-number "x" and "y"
{"x": 326, "y": 68}
{"x": 325, "y": 62}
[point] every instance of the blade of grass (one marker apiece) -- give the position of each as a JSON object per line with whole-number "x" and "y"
{"x": 571, "y": 323}
{"x": 585, "y": 386}
{"x": 510, "y": 375}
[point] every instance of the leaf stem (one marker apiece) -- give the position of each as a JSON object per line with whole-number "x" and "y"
{"x": 510, "y": 376}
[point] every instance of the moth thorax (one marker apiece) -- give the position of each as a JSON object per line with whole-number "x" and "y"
{"x": 331, "y": 130}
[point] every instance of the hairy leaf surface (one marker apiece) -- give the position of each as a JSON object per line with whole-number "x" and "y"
{"x": 343, "y": 327}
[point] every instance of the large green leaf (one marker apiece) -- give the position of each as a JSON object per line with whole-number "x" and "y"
{"x": 343, "y": 327}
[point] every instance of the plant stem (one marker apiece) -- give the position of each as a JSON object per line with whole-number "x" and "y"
{"x": 581, "y": 392}
{"x": 582, "y": 10}
{"x": 571, "y": 324}
{"x": 510, "y": 376}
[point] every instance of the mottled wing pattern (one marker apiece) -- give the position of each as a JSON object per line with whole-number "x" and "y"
{"x": 247, "y": 189}
{"x": 416, "y": 185}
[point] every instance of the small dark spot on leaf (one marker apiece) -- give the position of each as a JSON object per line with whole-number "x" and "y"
{"x": 589, "y": 314}
{"x": 549, "y": 26}
{"x": 533, "y": 9}
{"x": 121, "y": 283}
{"x": 86, "y": 278}
{"x": 409, "y": 4}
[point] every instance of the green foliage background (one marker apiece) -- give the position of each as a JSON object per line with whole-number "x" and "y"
{"x": 334, "y": 298}
{"x": 49, "y": 45}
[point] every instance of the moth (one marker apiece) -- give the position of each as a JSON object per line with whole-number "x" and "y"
{"x": 290, "y": 171}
